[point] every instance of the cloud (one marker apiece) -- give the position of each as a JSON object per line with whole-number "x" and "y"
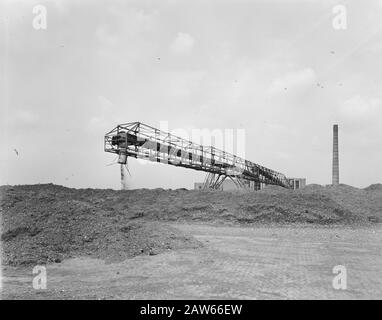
{"x": 105, "y": 37}
{"x": 103, "y": 118}
{"x": 182, "y": 44}
{"x": 359, "y": 108}
{"x": 22, "y": 117}
{"x": 127, "y": 36}
{"x": 105, "y": 103}
{"x": 125, "y": 26}
{"x": 297, "y": 80}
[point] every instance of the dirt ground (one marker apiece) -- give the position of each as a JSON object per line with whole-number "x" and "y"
{"x": 235, "y": 262}
{"x": 49, "y": 223}
{"x": 162, "y": 244}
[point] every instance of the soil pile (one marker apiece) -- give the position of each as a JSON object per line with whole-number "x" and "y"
{"x": 48, "y": 223}
{"x": 374, "y": 187}
{"x": 266, "y": 206}
{"x": 44, "y": 223}
{"x": 364, "y": 203}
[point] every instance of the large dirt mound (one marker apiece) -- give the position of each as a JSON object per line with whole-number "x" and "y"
{"x": 266, "y": 206}
{"x": 42, "y": 223}
{"x": 374, "y": 187}
{"x": 48, "y": 223}
{"x": 364, "y": 203}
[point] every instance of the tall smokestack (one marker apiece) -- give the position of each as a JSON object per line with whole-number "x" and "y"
{"x": 335, "y": 172}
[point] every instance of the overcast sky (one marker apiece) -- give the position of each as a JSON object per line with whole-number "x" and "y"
{"x": 279, "y": 70}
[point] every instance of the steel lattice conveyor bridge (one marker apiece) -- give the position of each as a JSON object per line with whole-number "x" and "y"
{"x": 141, "y": 141}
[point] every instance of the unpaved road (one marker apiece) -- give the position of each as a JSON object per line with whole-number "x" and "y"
{"x": 292, "y": 262}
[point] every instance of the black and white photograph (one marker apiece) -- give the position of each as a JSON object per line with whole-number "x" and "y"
{"x": 208, "y": 152}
